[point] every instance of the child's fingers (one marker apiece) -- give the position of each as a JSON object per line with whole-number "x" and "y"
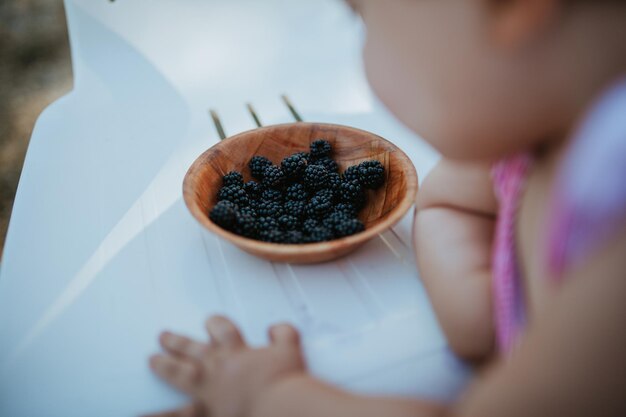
{"x": 284, "y": 334}
{"x": 183, "y": 346}
{"x": 191, "y": 410}
{"x": 224, "y": 334}
{"x": 180, "y": 373}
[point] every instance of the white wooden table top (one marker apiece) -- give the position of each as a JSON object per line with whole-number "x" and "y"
{"x": 102, "y": 254}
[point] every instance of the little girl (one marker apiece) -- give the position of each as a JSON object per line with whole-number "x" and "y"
{"x": 520, "y": 231}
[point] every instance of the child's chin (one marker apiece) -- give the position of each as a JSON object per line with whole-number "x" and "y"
{"x": 467, "y": 147}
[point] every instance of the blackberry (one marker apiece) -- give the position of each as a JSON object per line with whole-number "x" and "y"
{"x": 249, "y": 211}
{"x": 257, "y": 166}
{"x": 334, "y": 219}
{"x": 309, "y": 225}
{"x": 349, "y": 227}
{"x": 296, "y": 192}
{"x": 272, "y": 236}
{"x": 304, "y": 200}
{"x": 352, "y": 174}
{"x": 320, "y": 234}
{"x": 352, "y": 192}
{"x": 327, "y": 162}
{"x": 223, "y": 214}
{"x": 287, "y": 222}
{"x": 372, "y": 174}
{"x": 326, "y": 194}
{"x": 273, "y": 177}
{"x": 233, "y": 178}
{"x": 347, "y": 208}
{"x": 293, "y": 236}
{"x": 245, "y": 224}
{"x": 296, "y": 209}
{"x": 320, "y": 148}
{"x": 254, "y": 189}
{"x": 305, "y": 155}
{"x": 272, "y": 195}
{"x": 255, "y": 204}
{"x": 234, "y": 194}
{"x": 269, "y": 209}
{"x": 293, "y": 166}
{"x": 319, "y": 205}
{"x": 334, "y": 181}
{"x": 315, "y": 177}
{"x": 266, "y": 223}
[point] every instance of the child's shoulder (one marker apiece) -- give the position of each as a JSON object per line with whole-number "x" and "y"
{"x": 589, "y": 199}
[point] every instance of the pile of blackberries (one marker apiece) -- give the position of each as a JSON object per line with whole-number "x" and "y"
{"x": 303, "y": 200}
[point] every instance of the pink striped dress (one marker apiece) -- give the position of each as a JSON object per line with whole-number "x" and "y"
{"x": 588, "y": 207}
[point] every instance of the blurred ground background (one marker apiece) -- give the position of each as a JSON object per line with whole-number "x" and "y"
{"x": 35, "y": 70}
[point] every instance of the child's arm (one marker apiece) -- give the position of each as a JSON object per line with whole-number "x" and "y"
{"x": 453, "y": 231}
{"x": 572, "y": 359}
{"x": 304, "y": 396}
{"x": 572, "y": 363}
{"x": 227, "y": 378}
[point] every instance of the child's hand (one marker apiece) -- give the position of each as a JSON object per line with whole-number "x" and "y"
{"x": 225, "y": 377}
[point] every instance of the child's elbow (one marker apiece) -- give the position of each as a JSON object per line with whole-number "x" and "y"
{"x": 471, "y": 339}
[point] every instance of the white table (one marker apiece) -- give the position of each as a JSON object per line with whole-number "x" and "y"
{"x": 102, "y": 254}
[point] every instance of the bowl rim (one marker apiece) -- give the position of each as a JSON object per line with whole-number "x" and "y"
{"x": 284, "y": 249}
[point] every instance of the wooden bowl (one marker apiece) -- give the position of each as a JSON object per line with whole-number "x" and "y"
{"x": 384, "y": 208}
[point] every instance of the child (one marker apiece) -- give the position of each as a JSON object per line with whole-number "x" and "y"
{"x": 520, "y": 231}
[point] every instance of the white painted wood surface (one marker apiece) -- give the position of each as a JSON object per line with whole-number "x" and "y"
{"x": 102, "y": 254}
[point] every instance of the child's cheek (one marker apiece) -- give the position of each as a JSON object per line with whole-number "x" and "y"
{"x": 398, "y": 87}
{"x": 383, "y": 72}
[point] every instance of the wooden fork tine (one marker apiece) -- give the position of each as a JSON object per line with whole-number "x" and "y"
{"x": 254, "y": 115}
{"x": 291, "y": 108}
{"x": 218, "y": 124}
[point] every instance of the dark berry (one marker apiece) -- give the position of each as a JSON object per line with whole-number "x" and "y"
{"x": 269, "y": 209}
{"x": 273, "y": 177}
{"x": 309, "y": 225}
{"x": 320, "y": 234}
{"x": 272, "y": 236}
{"x": 320, "y": 148}
{"x": 334, "y": 181}
{"x": 352, "y": 192}
{"x": 352, "y": 174}
{"x": 296, "y": 209}
{"x": 233, "y": 178}
{"x": 326, "y": 194}
{"x": 293, "y": 166}
{"x": 287, "y": 222}
{"x": 267, "y": 223}
{"x": 372, "y": 174}
{"x": 304, "y": 155}
{"x": 334, "y": 219}
{"x": 293, "y": 236}
{"x": 254, "y": 189}
{"x": 342, "y": 224}
{"x": 349, "y": 227}
{"x": 256, "y": 203}
{"x": 304, "y": 200}
{"x": 296, "y": 192}
{"x": 245, "y": 224}
{"x": 327, "y": 162}
{"x": 347, "y": 208}
{"x": 319, "y": 206}
{"x": 257, "y": 166}
{"x": 315, "y": 177}
{"x": 223, "y": 214}
{"x": 272, "y": 195}
{"x": 248, "y": 210}
{"x": 234, "y": 194}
